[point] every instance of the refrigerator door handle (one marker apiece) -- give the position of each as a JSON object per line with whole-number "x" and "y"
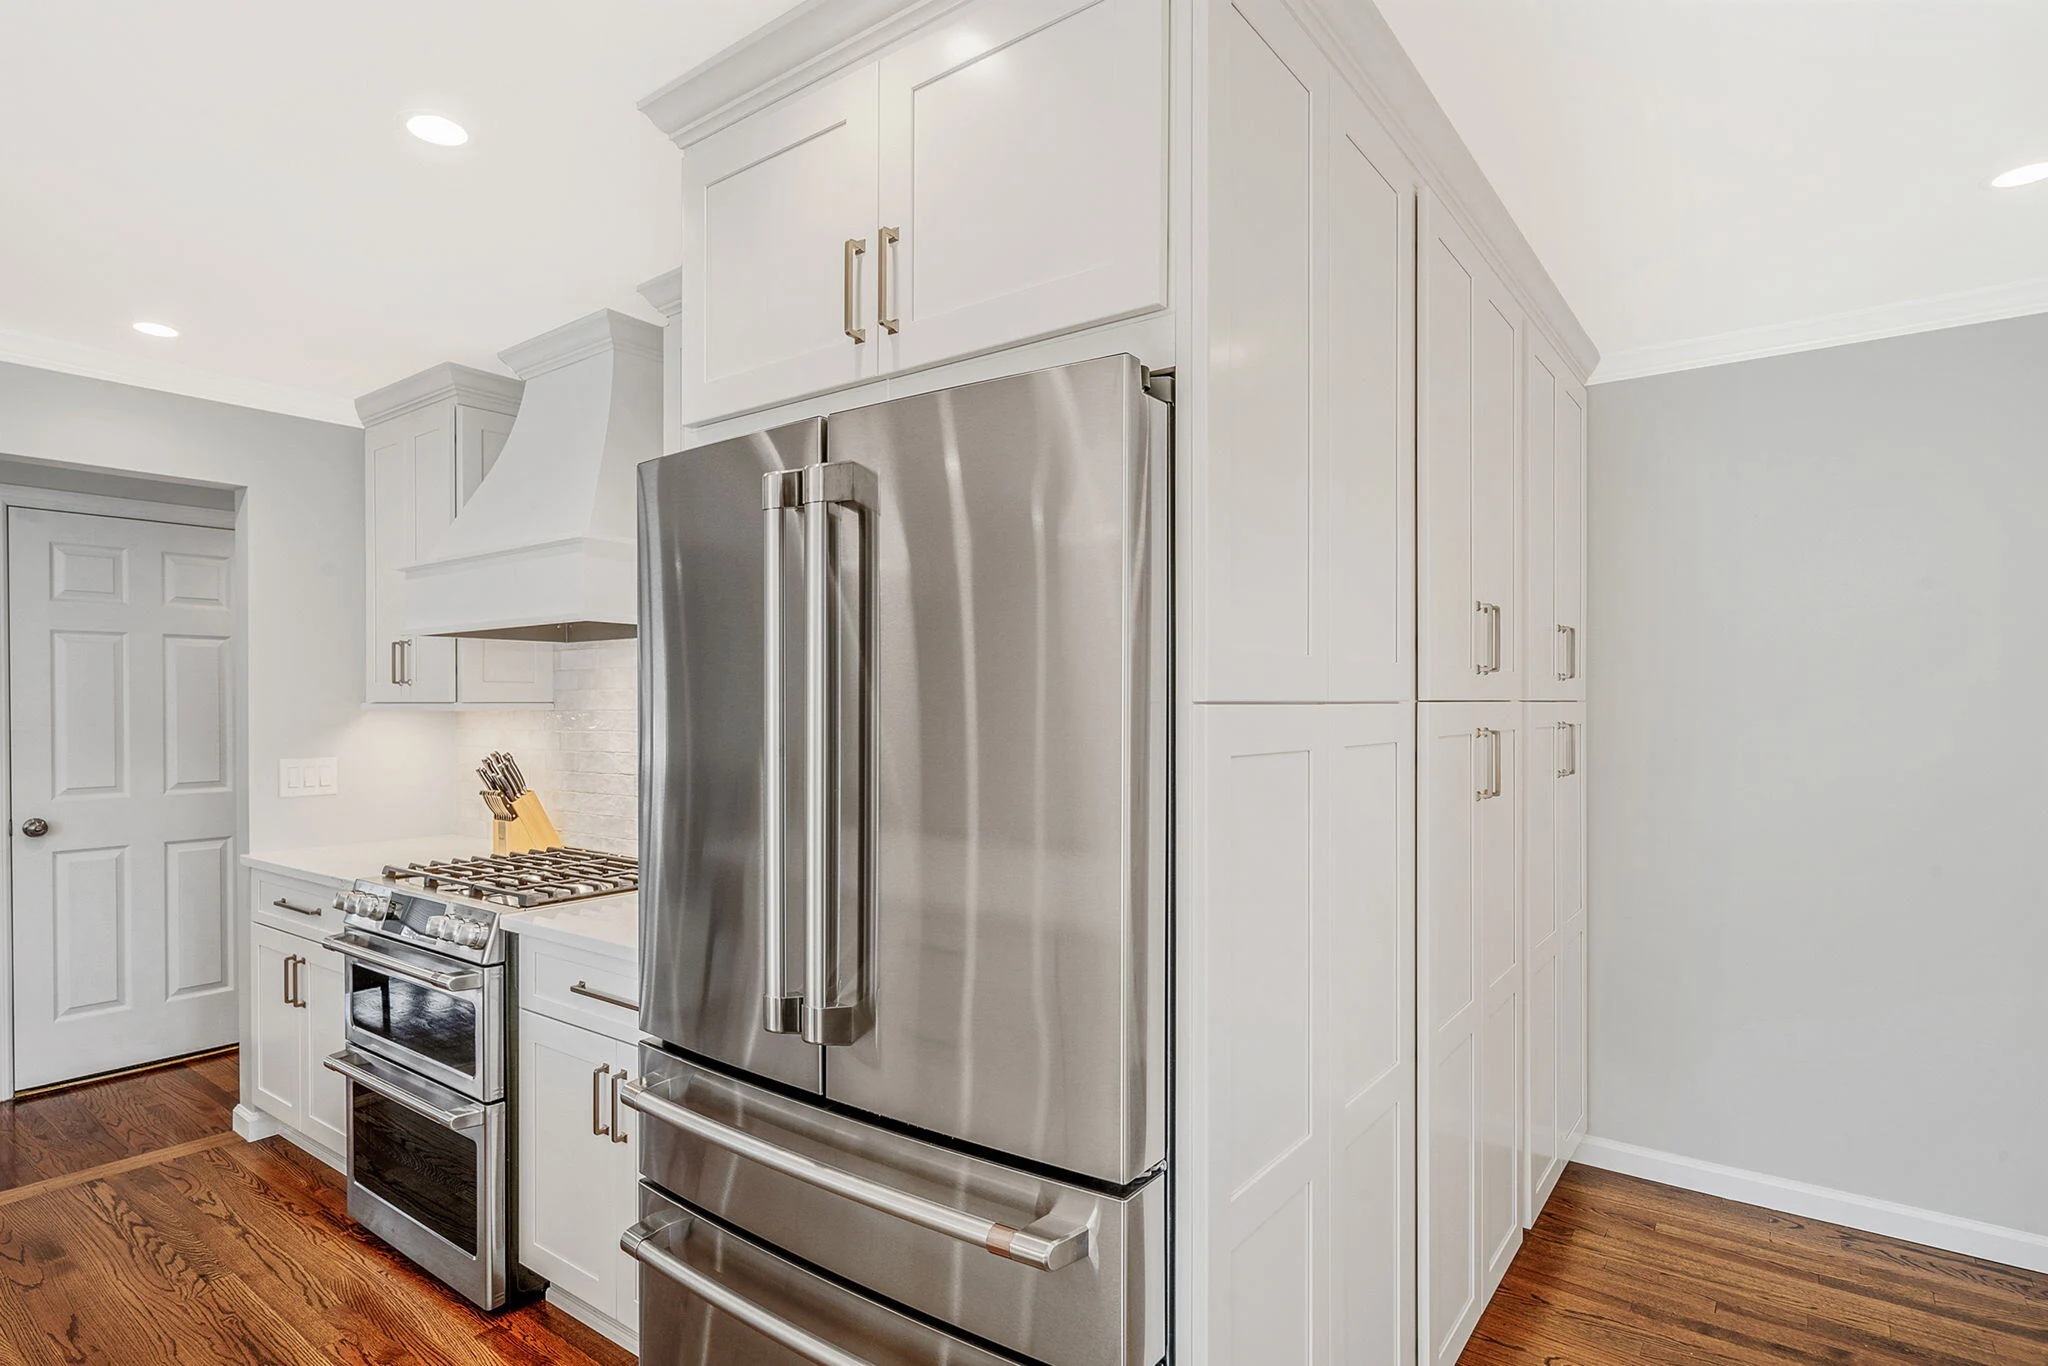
{"x": 1045, "y": 1250}
{"x": 642, "y": 1243}
{"x": 827, "y": 1018}
{"x": 781, "y": 1009}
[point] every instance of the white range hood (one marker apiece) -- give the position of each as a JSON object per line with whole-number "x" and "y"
{"x": 544, "y": 549}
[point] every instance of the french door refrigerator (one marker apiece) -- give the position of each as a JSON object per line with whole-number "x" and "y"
{"x": 904, "y": 693}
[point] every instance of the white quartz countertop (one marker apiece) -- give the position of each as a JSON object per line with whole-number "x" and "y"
{"x": 604, "y": 924}
{"x": 338, "y": 865}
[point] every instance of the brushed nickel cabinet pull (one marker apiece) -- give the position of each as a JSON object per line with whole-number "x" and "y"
{"x": 585, "y": 989}
{"x": 1492, "y": 737}
{"x": 397, "y": 668}
{"x": 1489, "y": 613}
{"x": 1571, "y": 653}
{"x": 284, "y": 905}
{"x": 888, "y": 238}
{"x": 856, "y": 247}
{"x": 597, "y": 1076}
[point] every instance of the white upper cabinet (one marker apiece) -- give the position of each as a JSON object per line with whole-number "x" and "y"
{"x": 1554, "y": 527}
{"x": 992, "y": 178}
{"x": 779, "y": 226}
{"x": 1469, "y": 471}
{"x": 1023, "y": 168}
{"x": 1554, "y": 944}
{"x": 1306, "y": 477}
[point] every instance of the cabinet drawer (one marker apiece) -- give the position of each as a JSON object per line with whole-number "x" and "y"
{"x": 293, "y": 905}
{"x": 576, "y": 986}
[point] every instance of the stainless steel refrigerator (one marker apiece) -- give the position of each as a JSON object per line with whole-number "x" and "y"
{"x": 904, "y": 700}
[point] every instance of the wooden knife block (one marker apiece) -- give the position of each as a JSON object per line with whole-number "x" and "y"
{"x": 529, "y": 829}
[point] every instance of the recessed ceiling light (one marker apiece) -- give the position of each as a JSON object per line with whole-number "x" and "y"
{"x": 437, "y": 130}
{"x": 156, "y": 330}
{"x": 2020, "y": 175}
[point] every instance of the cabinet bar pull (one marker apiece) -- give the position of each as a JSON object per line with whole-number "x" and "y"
{"x": 1571, "y": 653}
{"x": 284, "y": 972}
{"x": 1489, "y": 612}
{"x": 1568, "y": 731}
{"x": 1492, "y": 737}
{"x": 618, "y": 1129}
{"x": 406, "y": 655}
{"x": 397, "y": 676}
{"x": 889, "y": 237}
{"x": 850, "y": 270}
{"x": 284, "y": 905}
{"x": 597, "y": 1076}
{"x": 585, "y": 989}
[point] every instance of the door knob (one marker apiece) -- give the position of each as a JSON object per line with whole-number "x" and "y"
{"x": 35, "y": 827}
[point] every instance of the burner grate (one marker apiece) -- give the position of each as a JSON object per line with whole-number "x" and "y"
{"x": 523, "y": 881}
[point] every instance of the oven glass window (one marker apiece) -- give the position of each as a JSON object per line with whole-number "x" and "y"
{"x": 422, "y": 1020}
{"x": 416, "y": 1165}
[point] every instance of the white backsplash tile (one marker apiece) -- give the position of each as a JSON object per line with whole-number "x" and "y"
{"x": 583, "y": 757}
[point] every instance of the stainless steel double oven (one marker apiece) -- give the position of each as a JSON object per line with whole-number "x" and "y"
{"x": 429, "y": 1126}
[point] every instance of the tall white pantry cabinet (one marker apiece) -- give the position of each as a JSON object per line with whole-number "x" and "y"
{"x": 1379, "y": 427}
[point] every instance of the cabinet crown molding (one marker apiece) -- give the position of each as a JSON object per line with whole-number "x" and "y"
{"x": 498, "y": 393}
{"x": 604, "y": 330}
{"x": 665, "y": 292}
{"x": 805, "y": 45}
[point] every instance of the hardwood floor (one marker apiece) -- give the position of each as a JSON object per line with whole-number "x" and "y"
{"x": 136, "y": 1228}
{"x": 1622, "y": 1272}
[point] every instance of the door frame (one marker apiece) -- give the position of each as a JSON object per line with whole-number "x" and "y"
{"x": 133, "y": 509}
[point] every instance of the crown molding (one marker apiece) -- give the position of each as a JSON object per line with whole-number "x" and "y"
{"x": 665, "y": 292}
{"x": 1930, "y": 314}
{"x": 92, "y": 362}
{"x": 477, "y": 388}
{"x": 1363, "y": 46}
{"x": 805, "y": 45}
{"x": 590, "y": 335}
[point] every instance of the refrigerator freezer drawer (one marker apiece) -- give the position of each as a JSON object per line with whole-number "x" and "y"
{"x": 1055, "y": 1271}
{"x": 711, "y": 1298}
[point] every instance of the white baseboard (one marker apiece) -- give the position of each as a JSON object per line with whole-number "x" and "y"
{"x": 255, "y": 1126}
{"x": 2010, "y": 1246}
{"x": 591, "y": 1317}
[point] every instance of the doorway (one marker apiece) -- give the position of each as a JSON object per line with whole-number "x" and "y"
{"x": 123, "y": 776}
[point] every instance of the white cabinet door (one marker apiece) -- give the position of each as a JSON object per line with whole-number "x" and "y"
{"x": 1023, "y": 173}
{"x": 569, "y": 1206}
{"x": 1554, "y": 944}
{"x": 480, "y": 435}
{"x": 411, "y": 501}
{"x": 1307, "y": 1083}
{"x": 1469, "y": 980}
{"x": 278, "y": 1033}
{"x": 325, "y": 1117}
{"x": 1257, "y": 542}
{"x": 504, "y": 671}
{"x": 1554, "y": 527}
{"x": 771, "y": 289}
{"x": 1366, "y": 442}
{"x": 1469, "y": 502}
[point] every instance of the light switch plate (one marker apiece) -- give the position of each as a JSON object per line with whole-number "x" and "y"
{"x": 308, "y": 777}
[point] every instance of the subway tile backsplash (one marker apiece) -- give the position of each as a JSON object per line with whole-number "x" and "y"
{"x": 582, "y": 756}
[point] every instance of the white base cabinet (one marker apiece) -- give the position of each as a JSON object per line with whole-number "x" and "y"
{"x": 295, "y": 1021}
{"x": 1554, "y": 527}
{"x": 1553, "y": 943}
{"x": 1469, "y": 1013}
{"x": 1305, "y": 1106}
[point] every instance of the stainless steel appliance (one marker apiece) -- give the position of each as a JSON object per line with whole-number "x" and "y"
{"x": 425, "y": 989}
{"x": 905, "y": 684}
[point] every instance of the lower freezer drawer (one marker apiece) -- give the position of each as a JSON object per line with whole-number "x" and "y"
{"x": 709, "y": 1297}
{"x": 1042, "y": 1267}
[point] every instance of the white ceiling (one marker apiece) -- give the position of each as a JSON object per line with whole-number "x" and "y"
{"x": 1691, "y": 169}
{"x": 239, "y": 170}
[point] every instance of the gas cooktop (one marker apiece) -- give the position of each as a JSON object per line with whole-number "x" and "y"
{"x": 521, "y": 882}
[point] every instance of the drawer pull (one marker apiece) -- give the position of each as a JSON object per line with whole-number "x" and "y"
{"x": 284, "y": 905}
{"x": 585, "y": 989}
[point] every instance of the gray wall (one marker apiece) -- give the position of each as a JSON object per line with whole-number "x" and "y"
{"x": 1818, "y": 661}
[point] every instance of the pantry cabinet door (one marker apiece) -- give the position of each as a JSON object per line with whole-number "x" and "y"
{"x": 1366, "y": 425}
{"x": 279, "y": 1036}
{"x": 412, "y": 499}
{"x": 771, "y": 289}
{"x": 325, "y": 1118}
{"x": 1554, "y": 526}
{"x": 1469, "y": 990}
{"x": 1468, "y": 512}
{"x": 568, "y": 1206}
{"x": 1554, "y": 939}
{"x": 1023, "y": 176}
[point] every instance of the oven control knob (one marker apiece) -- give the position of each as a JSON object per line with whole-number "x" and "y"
{"x": 474, "y": 934}
{"x": 437, "y": 926}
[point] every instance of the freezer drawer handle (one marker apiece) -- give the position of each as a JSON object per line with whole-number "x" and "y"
{"x": 1019, "y": 1245}
{"x": 461, "y": 1117}
{"x": 638, "y": 1243}
{"x": 359, "y": 949}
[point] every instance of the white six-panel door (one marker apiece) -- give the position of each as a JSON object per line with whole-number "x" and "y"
{"x": 1468, "y": 984}
{"x": 121, "y": 680}
{"x": 1468, "y": 514}
{"x": 1554, "y": 527}
{"x": 1307, "y": 1092}
{"x": 1554, "y": 944}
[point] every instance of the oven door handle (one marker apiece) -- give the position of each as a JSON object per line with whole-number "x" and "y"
{"x": 641, "y": 1243}
{"x": 362, "y": 951}
{"x": 1045, "y": 1250}
{"x": 461, "y": 1117}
